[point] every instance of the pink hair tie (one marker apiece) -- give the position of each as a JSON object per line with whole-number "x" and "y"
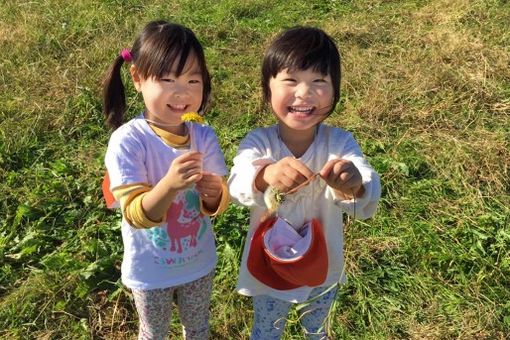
{"x": 126, "y": 55}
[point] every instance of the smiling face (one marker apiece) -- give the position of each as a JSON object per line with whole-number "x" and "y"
{"x": 300, "y": 98}
{"x": 169, "y": 97}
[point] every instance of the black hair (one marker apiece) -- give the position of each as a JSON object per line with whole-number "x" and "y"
{"x": 301, "y": 48}
{"x": 159, "y": 46}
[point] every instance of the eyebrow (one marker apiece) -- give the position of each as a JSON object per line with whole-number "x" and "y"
{"x": 196, "y": 73}
{"x": 173, "y": 74}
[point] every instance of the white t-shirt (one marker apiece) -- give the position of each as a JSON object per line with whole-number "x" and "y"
{"x": 182, "y": 249}
{"x": 316, "y": 200}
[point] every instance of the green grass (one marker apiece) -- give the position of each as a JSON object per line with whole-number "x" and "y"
{"x": 425, "y": 90}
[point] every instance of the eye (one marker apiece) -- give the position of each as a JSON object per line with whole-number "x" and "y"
{"x": 194, "y": 81}
{"x": 289, "y": 80}
{"x": 167, "y": 80}
{"x": 320, "y": 80}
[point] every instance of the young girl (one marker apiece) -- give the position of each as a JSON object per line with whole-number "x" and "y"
{"x": 167, "y": 176}
{"x": 317, "y": 170}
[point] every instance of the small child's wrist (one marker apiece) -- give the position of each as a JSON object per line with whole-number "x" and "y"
{"x": 170, "y": 187}
{"x": 260, "y": 183}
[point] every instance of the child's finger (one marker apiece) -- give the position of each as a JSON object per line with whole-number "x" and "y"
{"x": 345, "y": 177}
{"x": 193, "y": 177}
{"x": 352, "y": 183}
{"x": 210, "y": 193}
{"x": 341, "y": 166}
{"x": 187, "y": 165}
{"x": 208, "y": 189}
{"x": 289, "y": 176}
{"x": 204, "y": 185}
{"x": 327, "y": 168}
{"x": 210, "y": 180}
{"x": 189, "y": 168}
{"x": 301, "y": 168}
{"x": 334, "y": 178}
{"x": 289, "y": 182}
{"x": 189, "y": 156}
{"x": 211, "y": 174}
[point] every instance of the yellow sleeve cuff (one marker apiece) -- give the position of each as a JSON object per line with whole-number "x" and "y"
{"x": 130, "y": 198}
{"x": 136, "y": 215}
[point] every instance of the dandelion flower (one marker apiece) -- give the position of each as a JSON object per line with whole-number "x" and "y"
{"x": 193, "y": 117}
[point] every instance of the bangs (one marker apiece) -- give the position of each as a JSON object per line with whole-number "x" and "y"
{"x": 296, "y": 61}
{"x": 167, "y": 50}
{"x": 298, "y": 51}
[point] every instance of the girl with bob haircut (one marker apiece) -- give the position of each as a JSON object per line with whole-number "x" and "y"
{"x": 304, "y": 175}
{"x": 166, "y": 175}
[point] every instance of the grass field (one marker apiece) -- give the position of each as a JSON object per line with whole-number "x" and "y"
{"x": 426, "y": 92}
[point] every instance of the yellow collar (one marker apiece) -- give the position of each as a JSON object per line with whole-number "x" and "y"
{"x": 171, "y": 139}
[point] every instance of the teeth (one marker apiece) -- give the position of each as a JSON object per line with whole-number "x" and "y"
{"x": 303, "y": 109}
{"x": 178, "y": 107}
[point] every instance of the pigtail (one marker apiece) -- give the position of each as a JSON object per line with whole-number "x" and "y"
{"x": 114, "y": 97}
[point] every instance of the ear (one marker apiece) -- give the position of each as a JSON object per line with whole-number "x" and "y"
{"x": 137, "y": 80}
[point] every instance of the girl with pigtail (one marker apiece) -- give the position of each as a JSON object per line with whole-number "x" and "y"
{"x": 166, "y": 174}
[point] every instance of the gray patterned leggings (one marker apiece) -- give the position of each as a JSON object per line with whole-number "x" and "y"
{"x": 270, "y": 315}
{"x": 154, "y": 309}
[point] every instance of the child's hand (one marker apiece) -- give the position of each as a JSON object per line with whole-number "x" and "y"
{"x": 209, "y": 186}
{"x": 210, "y": 190}
{"x": 344, "y": 177}
{"x": 185, "y": 170}
{"x": 283, "y": 175}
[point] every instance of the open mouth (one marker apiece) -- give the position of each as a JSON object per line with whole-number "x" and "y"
{"x": 301, "y": 110}
{"x": 180, "y": 107}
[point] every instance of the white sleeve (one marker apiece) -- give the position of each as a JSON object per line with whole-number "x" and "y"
{"x": 365, "y": 206}
{"x": 250, "y": 159}
{"x": 125, "y": 160}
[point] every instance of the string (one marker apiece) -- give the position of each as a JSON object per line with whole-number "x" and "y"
{"x": 326, "y": 323}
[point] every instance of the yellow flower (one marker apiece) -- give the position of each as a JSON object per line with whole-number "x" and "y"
{"x": 192, "y": 117}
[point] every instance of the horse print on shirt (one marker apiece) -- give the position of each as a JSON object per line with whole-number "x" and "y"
{"x": 184, "y": 221}
{"x": 184, "y": 225}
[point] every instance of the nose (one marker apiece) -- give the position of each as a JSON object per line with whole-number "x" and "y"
{"x": 179, "y": 90}
{"x": 303, "y": 90}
